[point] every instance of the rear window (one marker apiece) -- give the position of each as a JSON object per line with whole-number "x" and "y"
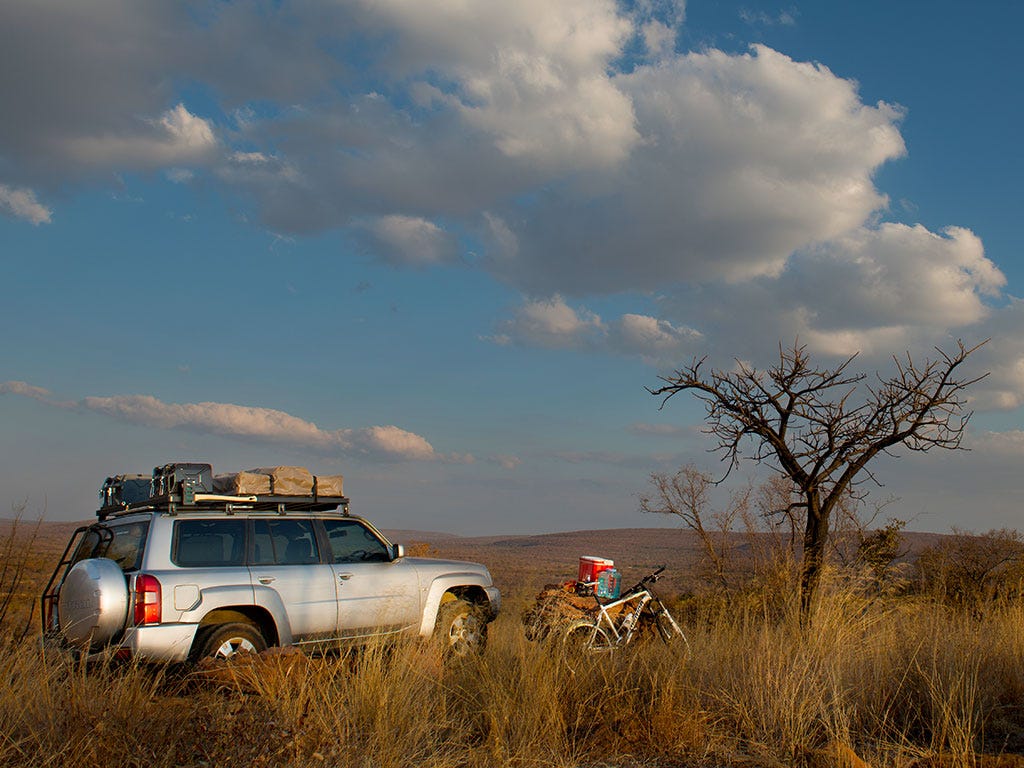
{"x": 124, "y": 544}
{"x": 208, "y": 543}
{"x": 128, "y": 544}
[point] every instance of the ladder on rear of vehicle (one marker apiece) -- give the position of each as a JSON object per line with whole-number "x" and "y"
{"x": 48, "y": 602}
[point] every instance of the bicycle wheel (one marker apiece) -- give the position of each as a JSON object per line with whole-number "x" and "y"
{"x": 586, "y": 636}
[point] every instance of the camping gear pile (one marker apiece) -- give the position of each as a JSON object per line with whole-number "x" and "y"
{"x": 559, "y": 605}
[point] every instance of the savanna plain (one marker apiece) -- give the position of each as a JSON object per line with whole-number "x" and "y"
{"x": 913, "y": 655}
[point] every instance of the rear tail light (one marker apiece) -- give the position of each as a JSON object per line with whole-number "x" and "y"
{"x": 147, "y": 600}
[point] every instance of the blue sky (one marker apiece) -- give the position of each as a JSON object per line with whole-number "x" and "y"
{"x": 442, "y": 247}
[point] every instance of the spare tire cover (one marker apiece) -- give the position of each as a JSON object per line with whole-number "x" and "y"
{"x": 93, "y": 603}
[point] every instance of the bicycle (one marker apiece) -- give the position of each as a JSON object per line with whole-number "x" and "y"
{"x": 639, "y": 608}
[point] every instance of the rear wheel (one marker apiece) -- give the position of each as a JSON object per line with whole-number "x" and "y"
{"x": 225, "y": 641}
{"x": 587, "y": 636}
{"x": 461, "y": 628}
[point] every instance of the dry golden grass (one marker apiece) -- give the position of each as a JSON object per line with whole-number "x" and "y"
{"x": 887, "y": 685}
{"x": 883, "y": 682}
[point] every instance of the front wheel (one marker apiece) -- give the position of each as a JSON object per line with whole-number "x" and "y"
{"x": 461, "y": 628}
{"x": 226, "y": 641}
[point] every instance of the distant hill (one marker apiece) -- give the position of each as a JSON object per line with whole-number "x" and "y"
{"x": 525, "y": 563}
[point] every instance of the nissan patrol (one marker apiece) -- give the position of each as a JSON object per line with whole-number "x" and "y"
{"x": 177, "y": 571}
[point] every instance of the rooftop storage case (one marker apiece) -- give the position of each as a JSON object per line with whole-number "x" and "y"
{"x": 121, "y": 490}
{"x": 189, "y": 479}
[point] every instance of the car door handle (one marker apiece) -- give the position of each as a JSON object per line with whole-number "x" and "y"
{"x": 266, "y": 579}
{"x": 344, "y": 576}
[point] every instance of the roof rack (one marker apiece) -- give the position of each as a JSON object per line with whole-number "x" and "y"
{"x": 172, "y": 504}
{"x": 181, "y": 487}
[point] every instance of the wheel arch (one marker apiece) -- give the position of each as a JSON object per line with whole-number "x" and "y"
{"x": 444, "y": 591}
{"x": 248, "y": 614}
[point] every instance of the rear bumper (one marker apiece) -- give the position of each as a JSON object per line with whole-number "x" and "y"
{"x": 161, "y": 642}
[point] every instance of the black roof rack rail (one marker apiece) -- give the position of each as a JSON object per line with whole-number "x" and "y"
{"x": 217, "y": 502}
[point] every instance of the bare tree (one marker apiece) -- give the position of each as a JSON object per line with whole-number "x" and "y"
{"x": 820, "y": 427}
{"x": 687, "y": 494}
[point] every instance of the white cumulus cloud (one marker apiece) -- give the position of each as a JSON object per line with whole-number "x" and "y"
{"x": 21, "y": 203}
{"x": 897, "y": 275}
{"x": 408, "y": 241}
{"x": 744, "y": 160}
{"x": 876, "y": 290}
{"x": 531, "y": 75}
{"x": 551, "y": 323}
{"x": 653, "y": 338}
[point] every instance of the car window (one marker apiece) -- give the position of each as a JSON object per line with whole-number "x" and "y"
{"x": 352, "y": 542}
{"x": 128, "y": 544}
{"x": 90, "y": 543}
{"x": 124, "y": 544}
{"x": 209, "y": 543}
{"x": 285, "y": 542}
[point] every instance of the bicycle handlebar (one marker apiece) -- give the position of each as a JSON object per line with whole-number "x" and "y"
{"x": 652, "y": 577}
{"x": 648, "y": 579}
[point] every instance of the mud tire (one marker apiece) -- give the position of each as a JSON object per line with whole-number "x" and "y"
{"x": 221, "y": 642}
{"x": 461, "y": 629}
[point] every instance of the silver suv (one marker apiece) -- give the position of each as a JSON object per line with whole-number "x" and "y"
{"x": 190, "y": 573}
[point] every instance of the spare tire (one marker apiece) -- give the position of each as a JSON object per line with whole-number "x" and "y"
{"x": 93, "y": 603}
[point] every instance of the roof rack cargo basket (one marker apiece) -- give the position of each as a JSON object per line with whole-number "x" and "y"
{"x": 181, "y": 487}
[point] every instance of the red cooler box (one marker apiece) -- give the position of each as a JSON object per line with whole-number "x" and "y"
{"x": 591, "y": 567}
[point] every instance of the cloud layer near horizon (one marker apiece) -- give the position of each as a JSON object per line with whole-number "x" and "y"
{"x": 388, "y": 443}
{"x": 567, "y": 148}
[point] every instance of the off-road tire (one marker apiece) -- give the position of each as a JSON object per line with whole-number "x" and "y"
{"x": 224, "y": 641}
{"x": 461, "y": 629}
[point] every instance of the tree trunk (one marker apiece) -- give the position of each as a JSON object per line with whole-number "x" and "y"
{"x": 815, "y": 538}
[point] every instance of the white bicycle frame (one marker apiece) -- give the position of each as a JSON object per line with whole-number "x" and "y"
{"x": 628, "y": 623}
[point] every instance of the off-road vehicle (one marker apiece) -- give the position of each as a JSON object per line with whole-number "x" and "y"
{"x": 173, "y": 570}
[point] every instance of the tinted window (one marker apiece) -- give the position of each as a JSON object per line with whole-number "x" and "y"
{"x": 90, "y": 543}
{"x": 206, "y": 543}
{"x": 123, "y": 544}
{"x": 285, "y": 542}
{"x": 127, "y": 545}
{"x": 354, "y": 543}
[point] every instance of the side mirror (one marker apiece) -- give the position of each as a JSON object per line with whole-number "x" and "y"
{"x": 397, "y": 551}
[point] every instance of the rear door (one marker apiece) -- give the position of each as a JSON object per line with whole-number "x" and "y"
{"x": 376, "y": 595}
{"x": 285, "y": 558}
